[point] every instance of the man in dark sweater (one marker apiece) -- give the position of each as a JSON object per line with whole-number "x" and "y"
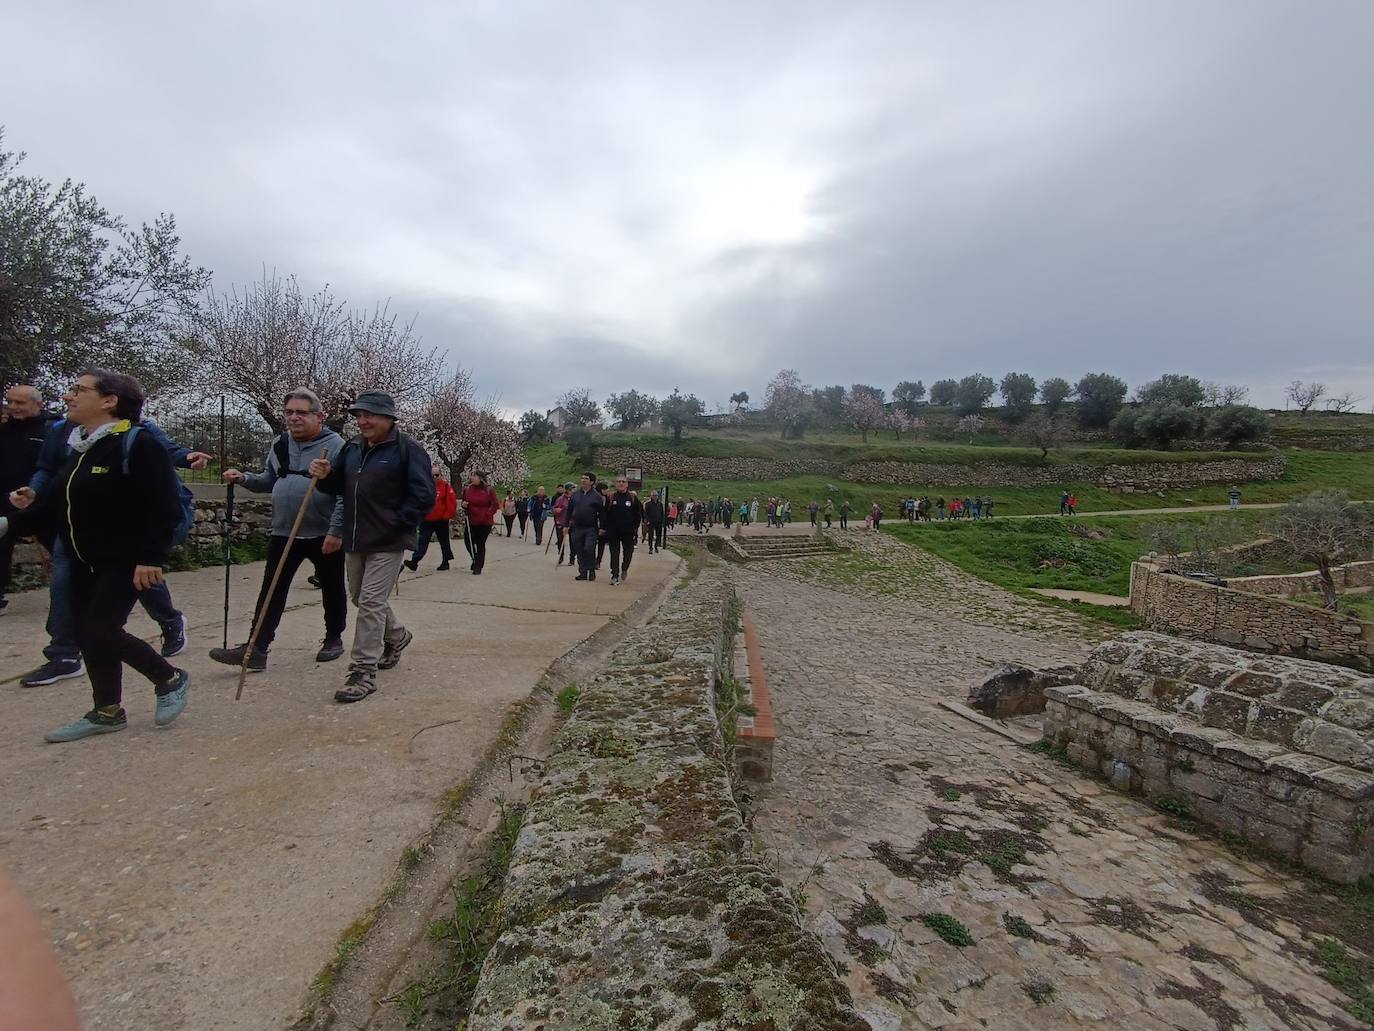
{"x": 586, "y": 519}
{"x": 387, "y": 487}
{"x": 623, "y": 516}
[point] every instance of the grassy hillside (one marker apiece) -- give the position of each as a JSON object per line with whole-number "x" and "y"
{"x": 844, "y": 448}
{"x": 1307, "y": 470}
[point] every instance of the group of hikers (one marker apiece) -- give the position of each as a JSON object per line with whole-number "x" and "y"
{"x": 98, "y": 490}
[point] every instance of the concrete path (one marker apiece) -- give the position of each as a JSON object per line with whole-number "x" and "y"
{"x": 1083, "y": 908}
{"x": 200, "y": 876}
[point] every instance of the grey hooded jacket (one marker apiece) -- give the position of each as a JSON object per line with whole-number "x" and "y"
{"x": 325, "y": 514}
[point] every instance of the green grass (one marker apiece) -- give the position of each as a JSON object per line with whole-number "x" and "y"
{"x": 949, "y": 928}
{"x": 1361, "y": 606}
{"x": 1307, "y": 470}
{"x": 567, "y": 698}
{"x": 1058, "y": 553}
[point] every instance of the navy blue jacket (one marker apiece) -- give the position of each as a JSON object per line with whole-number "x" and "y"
{"x": 387, "y": 489}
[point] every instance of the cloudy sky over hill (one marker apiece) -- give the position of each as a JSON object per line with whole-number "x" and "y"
{"x": 647, "y": 195}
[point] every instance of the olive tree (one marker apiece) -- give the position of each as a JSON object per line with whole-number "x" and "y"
{"x": 1325, "y": 529}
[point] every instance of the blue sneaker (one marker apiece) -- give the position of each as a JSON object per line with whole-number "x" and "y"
{"x": 94, "y": 722}
{"x": 174, "y": 638}
{"x": 169, "y": 705}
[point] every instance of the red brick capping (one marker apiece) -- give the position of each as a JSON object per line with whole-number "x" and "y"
{"x": 754, "y": 735}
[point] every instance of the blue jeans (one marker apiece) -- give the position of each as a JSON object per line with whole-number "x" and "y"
{"x": 156, "y": 600}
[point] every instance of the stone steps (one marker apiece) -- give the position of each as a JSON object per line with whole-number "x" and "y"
{"x": 780, "y": 547}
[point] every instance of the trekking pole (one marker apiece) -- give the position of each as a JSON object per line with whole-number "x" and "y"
{"x": 272, "y": 587}
{"x": 228, "y": 556}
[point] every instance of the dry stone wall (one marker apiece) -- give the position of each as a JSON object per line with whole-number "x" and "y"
{"x": 1289, "y": 585}
{"x": 1193, "y": 608}
{"x": 1146, "y": 476}
{"x": 634, "y": 898}
{"x": 1278, "y": 750}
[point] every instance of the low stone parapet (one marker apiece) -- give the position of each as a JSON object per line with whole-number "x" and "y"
{"x": 634, "y": 898}
{"x": 1303, "y": 806}
{"x": 1277, "y": 750}
{"x": 1212, "y": 612}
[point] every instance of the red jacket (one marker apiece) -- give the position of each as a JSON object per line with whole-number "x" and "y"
{"x": 483, "y": 504}
{"x": 445, "y": 502}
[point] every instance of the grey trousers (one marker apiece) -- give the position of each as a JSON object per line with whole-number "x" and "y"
{"x": 371, "y": 576}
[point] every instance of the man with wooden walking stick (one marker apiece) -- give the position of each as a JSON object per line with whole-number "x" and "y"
{"x": 384, "y": 478}
{"x": 286, "y": 474}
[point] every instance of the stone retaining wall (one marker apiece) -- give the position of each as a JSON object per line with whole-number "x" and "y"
{"x": 1289, "y": 585}
{"x": 1145, "y": 476}
{"x": 634, "y": 898}
{"x": 249, "y": 517}
{"x": 1277, "y": 750}
{"x": 1193, "y": 608}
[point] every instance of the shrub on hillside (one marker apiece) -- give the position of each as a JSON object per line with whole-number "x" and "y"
{"x": 1157, "y": 426}
{"x": 1237, "y": 424}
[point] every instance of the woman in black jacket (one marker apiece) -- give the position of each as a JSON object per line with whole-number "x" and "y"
{"x": 116, "y": 507}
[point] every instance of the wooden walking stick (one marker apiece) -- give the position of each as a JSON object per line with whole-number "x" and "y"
{"x": 272, "y": 587}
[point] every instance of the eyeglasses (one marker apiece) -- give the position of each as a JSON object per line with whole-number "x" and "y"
{"x": 76, "y": 388}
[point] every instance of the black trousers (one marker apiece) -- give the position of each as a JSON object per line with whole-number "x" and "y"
{"x": 539, "y": 529}
{"x": 329, "y": 571}
{"x": 6, "y": 560}
{"x": 437, "y": 528}
{"x": 510, "y": 521}
{"x": 583, "y": 539}
{"x": 479, "y": 535}
{"x": 622, "y": 550}
{"x": 524, "y": 518}
{"x": 102, "y": 598}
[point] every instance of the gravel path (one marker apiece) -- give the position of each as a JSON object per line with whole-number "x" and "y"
{"x": 1084, "y": 906}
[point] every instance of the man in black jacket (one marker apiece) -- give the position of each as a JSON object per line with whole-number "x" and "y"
{"x": 22, "y": 433}
{"x": 586, "y": 517}
{"x": 656, "y": 518}
{"x": 624, "y": 513}
{"x": 387, "y": 487}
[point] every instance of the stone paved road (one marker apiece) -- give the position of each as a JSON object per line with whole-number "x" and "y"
{"x": 1086, "y": 908}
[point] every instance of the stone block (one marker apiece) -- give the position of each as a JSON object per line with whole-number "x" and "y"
{"x": 1265, "y": 832}
{"x": 1221, "y": 815}
{"x": 1226, "y": 711}
{"x": 1252, "y": 684}
{"x": 1276, "y": 723}
{"x": 1340, "y": 745}
{"x": 1249, "y": 755}
{"x": 1341, "y": 835}
{"x": 1305, "y": 697}
{"x": 1198, "y": 739}
{"x": 1352, "y": 785}
{"x": 1340, "y": 866}
{"x": 1199, "y": 784}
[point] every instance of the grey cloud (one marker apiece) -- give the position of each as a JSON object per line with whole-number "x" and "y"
{"x": 697, "y": 195}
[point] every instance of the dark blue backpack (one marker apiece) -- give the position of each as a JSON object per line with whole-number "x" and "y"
{"x": 184, "y": 495}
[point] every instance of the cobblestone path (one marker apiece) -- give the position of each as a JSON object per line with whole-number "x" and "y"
{"x": 1085, "y": 907}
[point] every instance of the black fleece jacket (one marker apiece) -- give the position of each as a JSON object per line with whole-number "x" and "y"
{"x": 624, "y": 513}
{"x": 104, "y": 516}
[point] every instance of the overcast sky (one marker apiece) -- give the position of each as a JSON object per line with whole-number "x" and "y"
{"x": 646, "y": 195}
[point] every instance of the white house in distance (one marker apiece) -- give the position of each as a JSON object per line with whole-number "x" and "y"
{"x": 561, "y": 422}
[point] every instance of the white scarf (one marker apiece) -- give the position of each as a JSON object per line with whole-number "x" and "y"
{"x": 80, "y": 441}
